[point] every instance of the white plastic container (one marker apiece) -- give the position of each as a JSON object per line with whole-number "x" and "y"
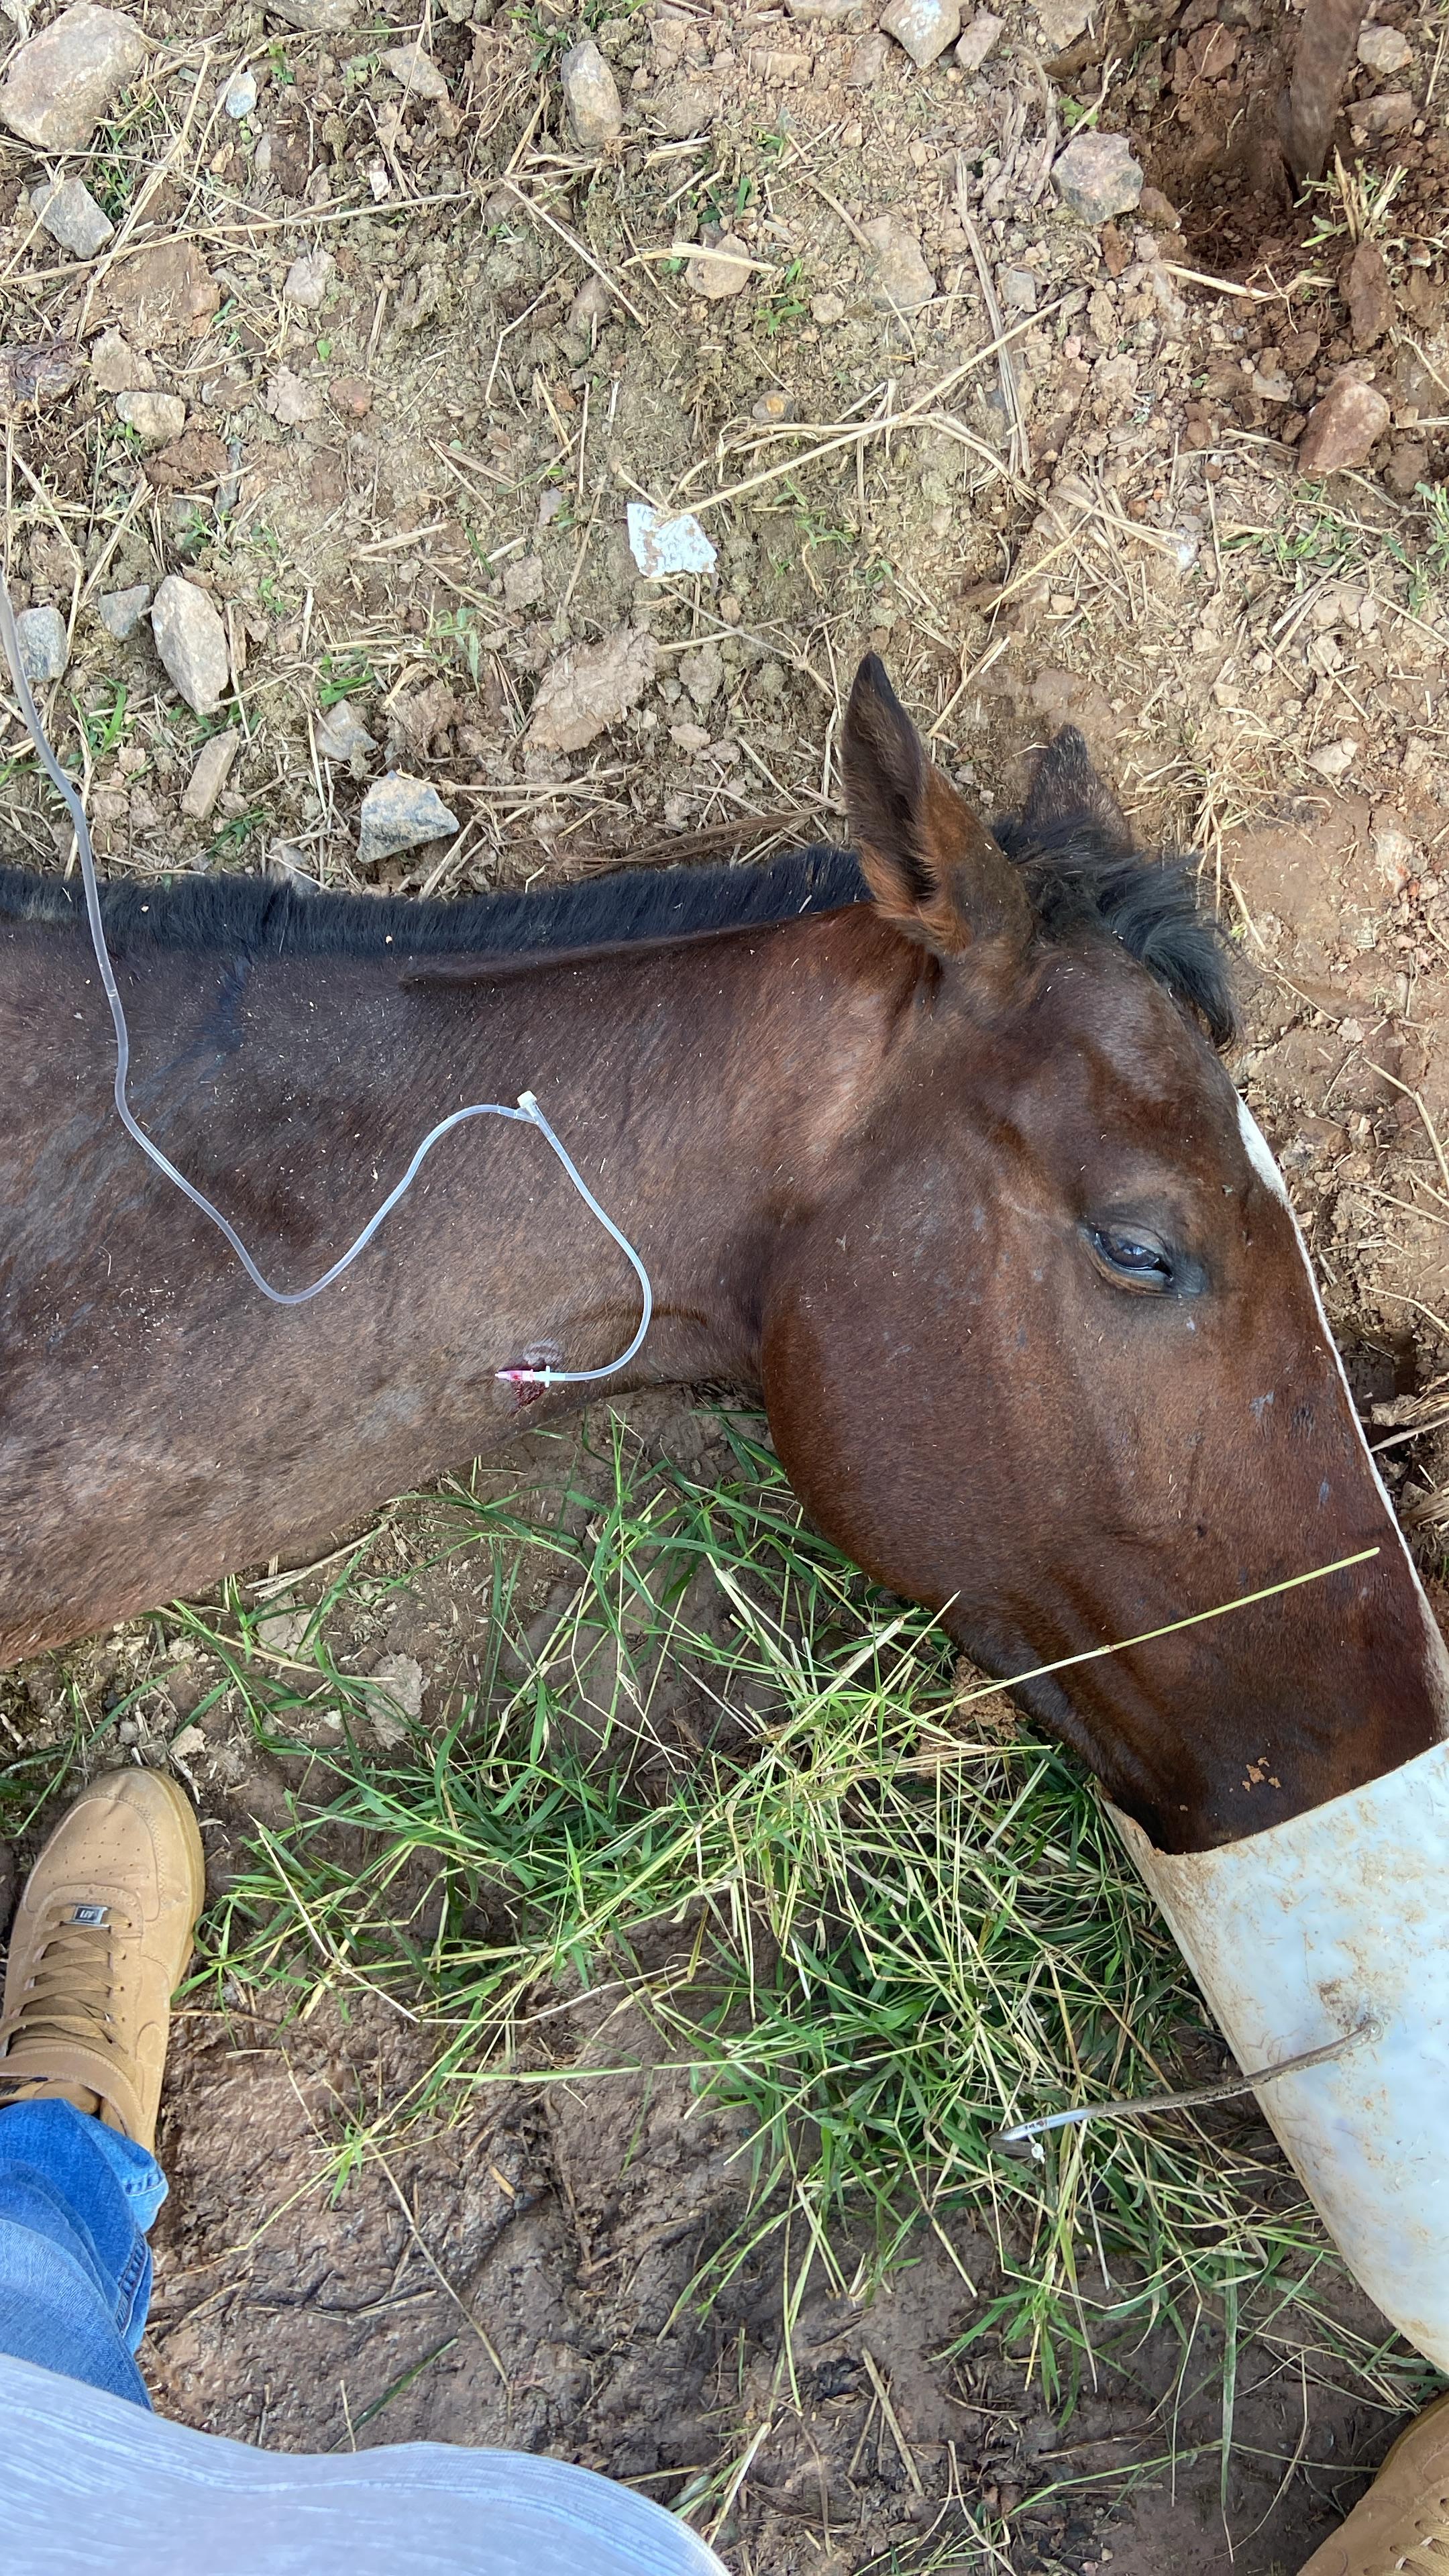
{"x": 1335, "y": 1922}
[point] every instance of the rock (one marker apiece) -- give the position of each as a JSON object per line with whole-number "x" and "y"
{"x": 1062, "y": 21}
{"x": 291, "y": 400}
{"x": 1342, "y": 428}
{"x": 416, "y": 71}
{"x": 1389, "y": 113}
{"x": 400, "y": 813}
{"x": 680, "y": 108}
{"x": 924, "y": 27}
{"x": 1019, "y": 289}
{"x": 590, "y": 308}
{"x": 399, "y": 1678}
{"x": 591, "y": 99}
{"x": 1332, "y": 759}
{"x": 44, "y": 644}
{"x": 71, "y": 216}
{"x": 315, "y": 17}
{"x": 981, "y": 38}
{"x": 523, "y": 582}
{"x": 60, "y": 84}
{"x": 191, "y": 641}
{"x": 308, "y": 279}
{"x": 720, "y": 267}
{"x": 1364, "y": 285}
{"x": 121, "y": 611}
{"x": 117, "y": 368}
{"x": 1384, "y": 50}
{"x": 164, "y": 295}
{"x": 212, "y": 770}
{"x": 1408, "y": 466}
{"x": 868, "y": 62}
{"x": 589, "y": 688}
{"x": 36, "y": 371}
{"x": 352, "y": 396}
{"x": 154, "y": 417}
{"x": 826, "y": 311}
{"x": 899, "y": 281}
{"x": 1097, "y": 178}
{"x": 287, "y": 861}
{"x": 240, "y": 95}
{"x": 341, "y": 734}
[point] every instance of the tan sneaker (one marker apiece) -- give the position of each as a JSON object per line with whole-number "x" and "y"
{"x": 1401, "y": 2527}
{"x": 99, "y": 1944}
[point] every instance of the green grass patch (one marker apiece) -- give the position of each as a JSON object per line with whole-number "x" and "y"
{"x": 733, "y": 1789}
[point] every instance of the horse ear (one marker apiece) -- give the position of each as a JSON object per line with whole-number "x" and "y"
{"x": 931, "y": 864}
{"x": 1066, "y": 792}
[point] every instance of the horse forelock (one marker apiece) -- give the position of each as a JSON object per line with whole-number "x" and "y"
{"x": 1081, "y": 877}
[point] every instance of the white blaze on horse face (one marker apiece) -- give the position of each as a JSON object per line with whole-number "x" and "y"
{"x": 1259, "y": 1154}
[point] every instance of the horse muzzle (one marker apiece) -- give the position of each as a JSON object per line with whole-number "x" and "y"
{"x": 1334, "y": 1924}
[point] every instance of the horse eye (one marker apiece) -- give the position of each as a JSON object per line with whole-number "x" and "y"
{"x": 1137, "y": 1259}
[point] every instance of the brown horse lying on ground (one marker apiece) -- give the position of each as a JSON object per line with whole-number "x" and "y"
{"x": 927, "y": 1145}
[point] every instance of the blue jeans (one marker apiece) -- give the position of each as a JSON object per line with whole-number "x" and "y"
{"x": 76, "y": 2200}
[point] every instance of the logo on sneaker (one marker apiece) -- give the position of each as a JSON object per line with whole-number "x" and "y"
{"x": 88, "y": 1914}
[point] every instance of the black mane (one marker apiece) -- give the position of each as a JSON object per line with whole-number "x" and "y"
{"x": 1078, "y": 875}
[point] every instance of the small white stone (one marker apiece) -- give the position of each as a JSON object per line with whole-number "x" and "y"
{"x": 341, "y": 733}
{"x": 308, "y": 279}
{"x": 720, "y": 266}
{"x": 121, "y": 611}
{"x": 924, "y": 27}
{"x": 900, "y": 281}
{"x": 240, "y": 95}
{"x": 416, "y": 71}
{"x": 1333, "y": 759}
{"x": 71, "y": 216}
{"x": 154, "y": 417}
{"x": 1063, "y": 21}
{"x": 212, "y": 770}
{"x": 400, "y": 813}
{"x": 1384, "y": 50}
{"x": 980, "y": 39}
{"x": 591, "y": 98}
{"x": 191, "y": 641}
{"x": 44, "y": 644}
{"x": 1019, "y": 290}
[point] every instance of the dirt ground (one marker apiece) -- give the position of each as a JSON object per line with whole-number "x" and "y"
{"x": 405, "y": 493}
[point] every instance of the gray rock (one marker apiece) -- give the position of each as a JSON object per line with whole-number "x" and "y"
{"x": 900, "y": 281}
{"x": 400, "y": 813}
{"x": 417, "y": 72}
{"x": 1342, "y": 428}
{"x": 191, "y": 641}
{"x": 121, "y": 611}
{"x": 1389, "y": 113}
{"x": 720, "y": 267}
{"x": 924, "y": 27}
{"x": 341, "y": 733}
{"x": 59, "y": 85}
{"x": 118, "y": 368}
{"x": 240, "y": 95}
{"x": 591, "y": 98}
{"x": 980, "y": 39}
{"x": 399, "y": 1678}
{"x": 590, "y": 688}
{"x": 308, "y": 279}
{"x": 71, "y": 216}
{"x": 154, "y": 417}
{"x": 212, "y": 770}
{"x": 1063, "y": 21}
{"x": 1097, "y": 178}
{"x": 1333, "y": 760}
{"x": 1019, "y": 289}
{"x": 1384, "y": 50}
{"x": 44, "y": 644}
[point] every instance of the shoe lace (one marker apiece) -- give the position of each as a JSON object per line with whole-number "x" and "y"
{"x": 71, "y": 1988}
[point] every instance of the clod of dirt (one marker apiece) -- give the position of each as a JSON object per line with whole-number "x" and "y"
{"x": 1097, "y": 178}
{"x": 71, "y": 216}
{"x": 591, "y": 99}
{"x": 117, "y": 368}
{"x": 400, "y": 813}
{"x": 308, "y": 279}
{"x": 867, "y": 63}
{"x": 590, "y": 688}
{"x": 1391, "y": 113}
{"x": 924, "y": 27}
{"x": 1342, "y": 428}
{"x": 1062, "y": 21}
{"x": 1364, "y": 286}
{"x": 1384, "y": 50}
{"x": 416, "y": 71}
{"x": 1333, "y": 760}
{"x": 164, "y": 296}
{"x": 155, "y": 418}
{"x": 981, "y": 38}
{"x": 213, "y": 769}
{"x": 59, "y": 85}
{"x": 351, "y": 395}
{"x": 195, "y": 462}
{"x": 681, "y": 108}
{"x": 720, "y": 266}
{"x": 191, "y": 641}
{"x": 291, "y": 400}
{"x": 341, "y": 733}
{"x": 44, "y": 645}
{"x": 36, "y": 372}
{"x": 900, "y": 281}
{"x": 121, "y": 611}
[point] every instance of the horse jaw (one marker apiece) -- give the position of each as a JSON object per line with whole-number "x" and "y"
{"x": 1260, "y": 1155}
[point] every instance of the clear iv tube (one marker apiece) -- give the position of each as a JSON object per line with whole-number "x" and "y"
{"x": 527, "y": 1112}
